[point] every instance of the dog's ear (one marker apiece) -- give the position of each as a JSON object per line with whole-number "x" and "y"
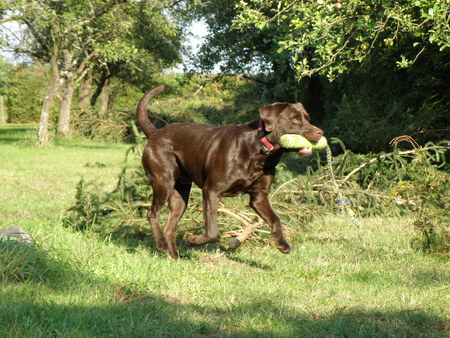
{"x": 270, "y": 113}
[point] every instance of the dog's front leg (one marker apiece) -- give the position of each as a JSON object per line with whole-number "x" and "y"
{"x": 260, "y": 203}
{"x": 210, "y": 206}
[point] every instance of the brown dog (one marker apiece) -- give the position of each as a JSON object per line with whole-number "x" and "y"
{"x": 222, "y": 161}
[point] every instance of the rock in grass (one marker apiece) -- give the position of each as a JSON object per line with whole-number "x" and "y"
{"x": 16, "y": 233}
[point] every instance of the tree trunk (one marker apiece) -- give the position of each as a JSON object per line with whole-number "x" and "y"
{"x": 49, "y": 98}
{"x": 64, "y": 109}
{"x": 2, "y": 111}
{"x": 99, "y": 89}
{"x": 104, "y": 98}
{"x": 84, "y": 92}
{"x": 112, "y": 96}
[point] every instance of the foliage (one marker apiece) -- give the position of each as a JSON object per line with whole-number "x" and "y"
{"x": 244, "y": 51}
{"x": 323, "y": 37}
{"x": 210, "y": 99}
{"x": 25, "y": 91}
{"x": 377, "y": 102}
{"x": 387, "y": 62}
{"x": 108, "y": 127}
{"x": 5, "y": 75}
{"x": 96, "y": 31}
{"x": 432, "y": 224}
{"x": 433, "y": 236}
{"x": 74, "y": 36}
{"x": 123, "y": 206}
{"x": 327, "y": 38}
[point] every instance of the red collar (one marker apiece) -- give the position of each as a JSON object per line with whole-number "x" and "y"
{"x": 267, "y": 146}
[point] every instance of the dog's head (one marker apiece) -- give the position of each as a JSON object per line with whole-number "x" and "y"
{"x": 289, "y": 118}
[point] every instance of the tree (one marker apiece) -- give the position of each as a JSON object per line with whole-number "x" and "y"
{"x": 381, "y": 64}
{"x": 329, "y": 37}
{"x": 244, "y": 50}
{"x": 73, "y": 36}
{"x": 319, "y": 37}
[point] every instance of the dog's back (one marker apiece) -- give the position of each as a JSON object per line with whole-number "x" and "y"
{"x": 202, "y": 154}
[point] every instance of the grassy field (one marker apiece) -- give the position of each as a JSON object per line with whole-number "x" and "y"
{"x": 80, "y": 285}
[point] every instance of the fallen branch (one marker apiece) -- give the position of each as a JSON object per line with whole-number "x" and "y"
{"x": 242, "y": 218}
{"x": 249, "y": 227}
{"x": 246, "y": 232}
{"x": 382, "y": 157}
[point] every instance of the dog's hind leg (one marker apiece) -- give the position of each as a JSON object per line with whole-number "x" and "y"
{"x": 178, "y": 200}
{"x": 160, "y": 196}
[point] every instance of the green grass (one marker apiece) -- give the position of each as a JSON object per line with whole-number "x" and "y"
{"x": 83, "y": 285}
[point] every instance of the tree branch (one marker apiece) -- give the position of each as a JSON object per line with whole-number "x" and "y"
{"x": 105, "y": 9}
{"x": 381, "y": 157}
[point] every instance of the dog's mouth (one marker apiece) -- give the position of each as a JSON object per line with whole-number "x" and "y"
{"x": 305, "y": 151}
{"x": 301, "y": 144}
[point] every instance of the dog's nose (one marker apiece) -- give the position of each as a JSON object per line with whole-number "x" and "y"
{"x": 317, "y": 134}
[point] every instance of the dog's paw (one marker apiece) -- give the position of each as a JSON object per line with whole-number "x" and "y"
{"x": 190, "y": 240}
{"x": 196, "y": 240}
{"x": 162, "y": 246}
{"x": 284, "y": 247}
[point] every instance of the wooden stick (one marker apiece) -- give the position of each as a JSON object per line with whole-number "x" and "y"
{"x": 237, "y": 241}
{"x": 249, "y": 228}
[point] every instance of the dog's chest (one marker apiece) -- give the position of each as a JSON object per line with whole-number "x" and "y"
{"x": 243, "y": 181}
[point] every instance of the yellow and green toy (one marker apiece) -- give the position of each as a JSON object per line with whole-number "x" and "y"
{"x": 294, "y": 141}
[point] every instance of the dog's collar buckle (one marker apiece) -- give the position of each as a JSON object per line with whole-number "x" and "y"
{"x": 266, "y": 150}
{"x": 267, "y": 146}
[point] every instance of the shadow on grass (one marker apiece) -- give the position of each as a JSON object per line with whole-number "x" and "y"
{"x": 133, "y": 242}
{"x": 12, "y": 134}
{"x": 27, "y": 135}
{"x": 148, "y": 314}
{"x": 145, "y": 240}
{"x": 248, "y": 262}
{"x": 23, "y": 262}
{"x": 54, "y": 305}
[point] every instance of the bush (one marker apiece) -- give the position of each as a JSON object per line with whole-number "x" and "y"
{"x": 107, "y": 127}
{"x": 433, "y": 236}
{"x": 202, "y": 99}
{"x": 25, "y": 94}
{"x": 376, "y": 102}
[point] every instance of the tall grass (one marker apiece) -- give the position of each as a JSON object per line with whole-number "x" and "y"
{"x": 332, "y": 284}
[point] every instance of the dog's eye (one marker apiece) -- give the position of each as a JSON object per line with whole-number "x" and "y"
{"x": 296, "y": 120}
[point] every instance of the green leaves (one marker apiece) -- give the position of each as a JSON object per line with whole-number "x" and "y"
{"x": 101, "y": 30}
{"x": 333, "y": 36}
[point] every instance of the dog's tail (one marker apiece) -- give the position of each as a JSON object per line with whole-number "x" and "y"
{"x": 141, "y": 113}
